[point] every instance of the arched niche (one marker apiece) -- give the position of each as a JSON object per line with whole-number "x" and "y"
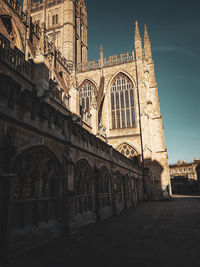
{"x": 37, "y": 187}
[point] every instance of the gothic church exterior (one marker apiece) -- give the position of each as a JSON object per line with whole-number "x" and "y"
{"x": 81, "y": 140}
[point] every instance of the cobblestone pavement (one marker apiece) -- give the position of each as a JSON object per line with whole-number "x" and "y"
{"x": 153, "y": 234}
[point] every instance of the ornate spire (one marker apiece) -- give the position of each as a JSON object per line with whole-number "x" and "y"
{"x": 138, "y": 42}
{"x": 147, "y": 43}
{"x": 101, "y": 53}
{"x": 81, "y": 3}
{"x": 45, "y": 13}
{"x": 146, "y": 35}
{"x": 137, "y": 32}
{"x": 101, "y": 59}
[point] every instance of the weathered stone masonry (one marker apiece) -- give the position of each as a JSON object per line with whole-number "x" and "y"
{"x": 48, "y": 153}
{"x": 67, "y": 123}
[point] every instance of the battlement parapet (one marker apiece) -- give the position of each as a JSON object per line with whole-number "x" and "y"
{"x": 15, "y": 59}
{"x": 112, "y": 61}
{"x": 17, "y": 7}
{"x": 39, "y": 5}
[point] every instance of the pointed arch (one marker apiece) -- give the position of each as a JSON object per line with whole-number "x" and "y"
{"x": 12, "y": 31}
{"x": 122, "y": 101}
{"x": 89, "y": 80}
{"x": 116, "y": 75}
{"x": 127, "y": 150}
{"x": 39, "y": 176}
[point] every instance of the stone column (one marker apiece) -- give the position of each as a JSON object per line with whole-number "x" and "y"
{"x": 6, "y": 203}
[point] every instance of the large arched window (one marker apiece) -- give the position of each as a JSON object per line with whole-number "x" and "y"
{"x": 122, "y": 102}
{"x": 86, "y": 91}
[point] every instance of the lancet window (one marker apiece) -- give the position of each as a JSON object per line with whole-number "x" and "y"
{"x": 122, "y": 102}
{"x": 86, "y": 92}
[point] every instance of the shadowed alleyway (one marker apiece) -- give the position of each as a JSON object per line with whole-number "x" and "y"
{"x": 153, "y": 234}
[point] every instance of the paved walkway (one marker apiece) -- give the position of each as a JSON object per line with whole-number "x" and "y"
{"x": 153, "y": 234}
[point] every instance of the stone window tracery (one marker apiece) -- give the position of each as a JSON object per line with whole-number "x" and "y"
{"x": 36, "y": 187}
{"x": 104, "y": 188}
{"x": 86, "y": 92}
{"x": 127, "y": 150}
{"x": 122, "y": 102}
{"x": 83, "y": 188}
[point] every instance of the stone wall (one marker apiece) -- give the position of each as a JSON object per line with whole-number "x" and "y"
{"x": 34, "y": 133}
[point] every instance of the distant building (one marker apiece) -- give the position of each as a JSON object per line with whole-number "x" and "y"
{"x": 198, "y": 174}
{"x": 183, "y": 168}
{"x": 198, "y": 171}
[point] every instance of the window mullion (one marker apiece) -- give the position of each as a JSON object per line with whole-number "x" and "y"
{"x": 120, "y": 109}
{"x": 125, "y": 107}
{"x": 130, "y": 107}
{"x": 115, "y": 110}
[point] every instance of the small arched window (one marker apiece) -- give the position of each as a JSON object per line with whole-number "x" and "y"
{"x": 127, "y": 150}
{"x": 122, "y": 102}
{"x": 86, "y": 91}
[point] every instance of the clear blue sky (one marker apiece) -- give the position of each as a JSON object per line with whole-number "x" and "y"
{"x": 174, "y": 29}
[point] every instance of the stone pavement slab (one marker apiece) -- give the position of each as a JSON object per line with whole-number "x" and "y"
{"x": 153, "y": 234}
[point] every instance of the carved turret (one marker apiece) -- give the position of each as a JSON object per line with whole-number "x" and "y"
{"x": 27, "y": 11}
{"x": 101, "y": 59}
{"x": 25, "y": 5}
{"x": 138, "y": 42}
{"x": 42, "y": 39}
{"x": 147, "y": 44}
{"x": 81, "y": 4}
{"x": 82, "y": 49}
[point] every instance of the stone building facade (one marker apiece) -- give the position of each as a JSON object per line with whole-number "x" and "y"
{"x": 183, "y": 168}
{"x": 80, "y": 140}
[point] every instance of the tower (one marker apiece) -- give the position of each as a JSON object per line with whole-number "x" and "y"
{"x": 155, "y": 152}
{"x": 81, "y": 33}
{"x": 69, "y": 22}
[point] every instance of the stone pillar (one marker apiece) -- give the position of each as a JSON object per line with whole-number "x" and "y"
{"x": 74, "y": 100}
{"x": 94, "y": 119}
{"x": 6, "y": 203}
{"x": 67, "y": 134}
